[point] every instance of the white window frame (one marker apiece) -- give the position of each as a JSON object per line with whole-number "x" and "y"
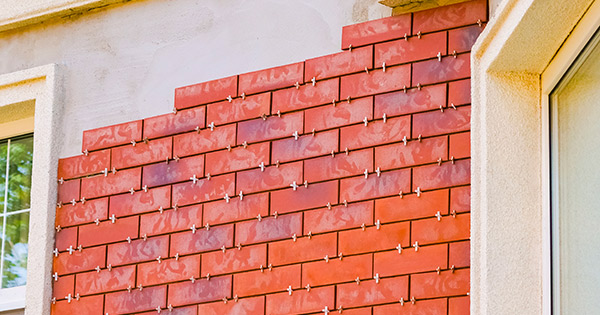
{"x": 41, "y": 86}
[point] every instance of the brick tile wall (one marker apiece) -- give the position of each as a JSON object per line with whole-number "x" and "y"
{"x": 337, "y": 183}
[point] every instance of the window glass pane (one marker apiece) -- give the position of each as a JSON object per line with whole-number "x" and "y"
{"x": 3, "y": 151}
{"x": 15, "y": 250}
{"x": 19, "y": 174}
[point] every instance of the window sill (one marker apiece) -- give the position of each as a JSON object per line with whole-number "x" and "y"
{"x": 12, "y": 298}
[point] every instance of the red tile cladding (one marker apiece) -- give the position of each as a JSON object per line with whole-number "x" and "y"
{"x": 140, "y": 202}
{"x": 376, "y": 81}
{"x": 254, "y": 305}
{"x": 388, "y": 236}
{"x": 462, "y": 39}
{"x": 459, "y": 92}
{"x": 410, "y": 207}
{"x": 138, "y": 250}
{"x": 306, "y": 146}
{"x": 111, "y": 184}
{"x": 403, "y": 51}
{"x": 460, "y": 254}
{"x": 448, "y": 229}
{"x": 108, "y": 232}
{"x": 207, "y": 140}
{"x": 340, "y": 165}
{"x": 83, "y": 165}
{"x": 199, "y": 291}
{"x": 105, "y": 281}
{"x": 343, "y": 113}
{"x": 269, "y": 229}
{"x": 66, "y": 238}
{"x": 313, "y": 196}
{"x": 449, "y": 16}
{"x": 82, "y": 213}
{"x": 174, "y": 171}
{"x": 339, "y": 217}
{"x": 172, "y": 123}
{"x": 142, "y": 153}
{"x": 460, "y": 199}
{"x": 337, "y": 270}
{"x": 301, "y": 301}
{"x": 446, "y": 175}
{"x": 389, "y": 183}
{"x": 237, "y": 159}
{"x": 369, "y": 292}
{"x": 428, "y": 285}
{"x": 436, "y": 122}
{"x": 249, "y": 207}
{"x": 413, "y": 101}
{"x": 63, "y": 286}
{"x": 87, "y": 259}
{"x": 267, "y": 281}
{"x": 271, "y": 79}
{"x": 427, "y": 258}
{"x": 171, "y": 220}
{"x": 168, "y": 270}
{"x": 448, "y": 69}
{"x": 376, "y": 31}
{"x": 437, "y": 306}
{"x": 105, "y": 137}
{"x": 302, "y": 249}
{"x": 339, "y": 64}
{"x": 234, "y": 260}
{"x": 68, "y": 191}
{"x": 305, "y": 96}
{"x": 124, "y": 302}
{"x": 203, "y": 190}
{"x": 270, "y": 128}
{"x": 239, "y": 109}
{"x": 202, "y": 240}
{"x": 413, "y": 153}
{"x": 459, "y": 306}
{"x": 272, "y": 177}
{"x": 460, "y": 145}
{"x": 205, "y": 92}
{"x": 91, "y": 305}
{"x": 375, "y": 133}
{"x": 189, "y": 310}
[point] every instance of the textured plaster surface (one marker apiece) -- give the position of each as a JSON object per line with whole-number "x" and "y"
{"x": 507, "y": 275}
{"x": 123, "y": 63}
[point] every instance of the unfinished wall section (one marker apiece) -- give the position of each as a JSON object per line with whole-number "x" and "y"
{"x": 335, "y": 183}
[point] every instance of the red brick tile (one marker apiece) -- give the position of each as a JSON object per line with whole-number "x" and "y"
{"x": 237, "y": 159}
{"x": 336, "y": 270}
{"x": 135, "y": 301}
{"x": 120, "y": 182}
{"x": 105, "y": 281}
{"x": 414, "y": 100}
{"x": 460, "y": 254}
{"x": 448, "y": 229}
{"x": 375, "y": 31}
{"x": 138, "y": 250}
{"x": 80, "y": 213}
{"x": 358, "y": 311}
{"x": 271, "y": 128}
{"x": 269, "y": 229}
{"x": 66, "y": 238}
{"x": 69, "y": 190}
{"x": 205, "y": 92}
{"x": 374, "y": 82}
{"x": 446, "y": 175}
{"x": 388, "y": 236}
{"x": 142, "y": 153}
{"x": 63, "y": 287}
{"x": 81, "y": 165}
{"x": 435, "y": 123}
{"x": 434, "y": 71}
{"x": 339, "y": 217}
{"x": 200, "y": 291}
{"x": 462, "y": 39}
{"x": 449, "y": 16}
{"x": 257, "y": 282}
{"x": 140, "y": 202}
{"x": 108, "y": 232}
{"x": 460, "y": 199}
{"x": 338, "y": 64}
{"x": 411, "y": 207}
{"x": 234, "y": 260}
{"x": 459, "y": 92}
{"x": 272, "y": 178}
{"x": 344, "y": 113}
{"x": 89, "y": 305}
{"x": 203, "y": 190}
{"x": 316, "y": 195}
{"x": 306, "y": 146}
{"x": 207, "y": 140}
{"x": 170, "y": 220}
{"x": 368, "y": 292}
{"x": 428, "y": 285}
{"x": 271, "y": 79}
{"x": 403, "y": 51}
{"x": 413, "y": 153}
{"x": 187, "y": 242}
{"x": 427, "y": 258}
{"x": 429, "y": 307}
{"x": 249, "y": 207}
{"x": 307, "y": 95}
{"x": 460, "y": 145}
{"x": 341, "y": 165}
{"x": 301, "y": 301}
{"x": 254, "y": 305}
{"x": 389, "y": 183}
{"x": 459, "y": 306}
{"x": 174, "y": 171}
{"x": 375, "y": 133}
{"x": 239, "y": 109}
{"x": 168, "y": 270}
{"x": 169, "y": 124}
{"x": 303, "y": 249}
{"x": 85, "y": 260}
{"x": 110, "y": 136}
{"x": 189, "y": 310}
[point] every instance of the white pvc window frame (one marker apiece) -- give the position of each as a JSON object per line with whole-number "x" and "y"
{"x": 41, "y": 86}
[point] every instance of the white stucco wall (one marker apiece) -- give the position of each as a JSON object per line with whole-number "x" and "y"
{"x": 123, "y": 62}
